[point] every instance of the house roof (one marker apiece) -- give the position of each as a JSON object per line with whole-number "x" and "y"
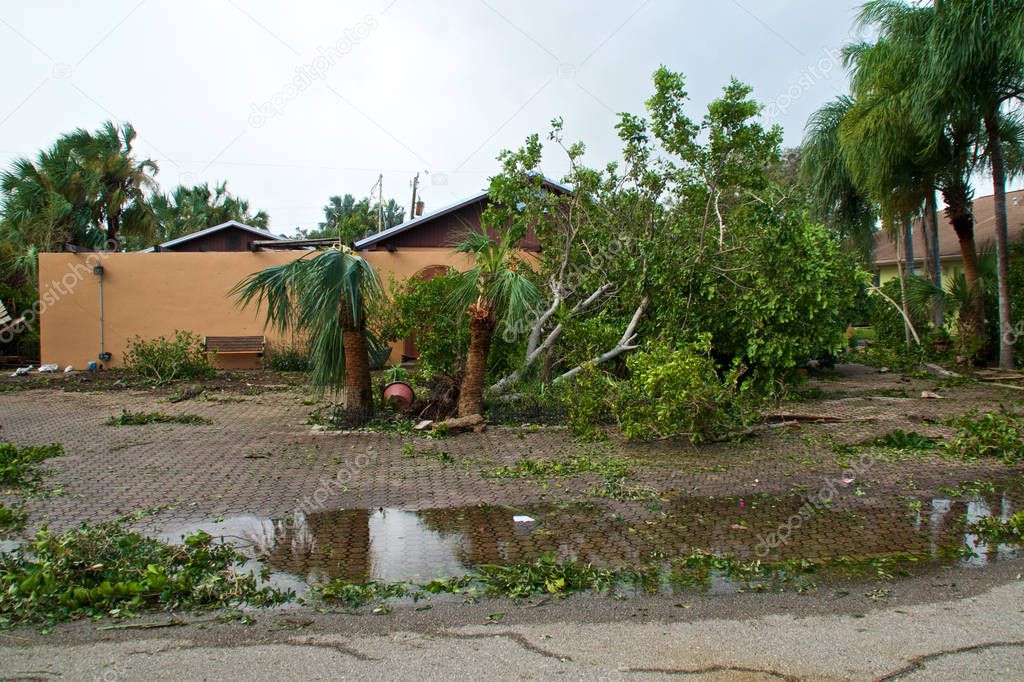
{"x": 949, "y": 246}
{"x": 216, "y": 228}
{"x": 417, "y": 221}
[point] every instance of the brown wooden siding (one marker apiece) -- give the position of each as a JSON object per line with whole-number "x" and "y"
{"x": 446, "y": 230}
{"x": 228, "y": 239}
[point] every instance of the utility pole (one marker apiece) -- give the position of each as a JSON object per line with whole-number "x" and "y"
{"x": 412, "y": 207}
{"x": 380, "y": 203}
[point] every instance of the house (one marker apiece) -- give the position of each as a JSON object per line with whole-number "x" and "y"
{"x": 93, "y": 303}
{"x": 229, "y": 236}
{"x": 949, "y": 246}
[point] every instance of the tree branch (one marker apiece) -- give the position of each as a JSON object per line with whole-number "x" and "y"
{"x": 625, "y": 344}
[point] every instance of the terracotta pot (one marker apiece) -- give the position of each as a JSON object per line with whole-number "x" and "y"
{"x": 399, "y": 393}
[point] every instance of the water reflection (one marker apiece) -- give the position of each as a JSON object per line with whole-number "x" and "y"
{"x": 394, "y": 544}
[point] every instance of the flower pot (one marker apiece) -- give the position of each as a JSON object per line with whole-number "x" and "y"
{"x": 399, "y": 393}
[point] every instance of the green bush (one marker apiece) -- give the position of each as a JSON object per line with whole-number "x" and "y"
{"x": 673, "y": 392}
{"x": 162, "y": 360}
{"x": 291, "y": 357}
{"x": 421, "y": 309}
{"x": 587, "y": 400}
{"x": 669, "y": 392}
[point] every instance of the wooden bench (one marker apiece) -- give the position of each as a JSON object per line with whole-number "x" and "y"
{"x": 235, "y": 345}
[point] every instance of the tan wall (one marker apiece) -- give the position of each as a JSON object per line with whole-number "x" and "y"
{"x": 154, "y": 294}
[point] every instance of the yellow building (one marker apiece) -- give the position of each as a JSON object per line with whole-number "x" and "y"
{"x": 949, "y": 246}
{"x": 92, "y": 303}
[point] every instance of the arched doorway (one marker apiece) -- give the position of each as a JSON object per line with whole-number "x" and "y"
{"x": 409, "y": 351}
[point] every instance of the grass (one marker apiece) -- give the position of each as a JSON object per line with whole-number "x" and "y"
{"x": 19, "y": 466}
{"x": 862, "y": 334}
{"x": 128, "y": 418}
{"x": 611, "y": 467}
{"x": 108, "y": 571}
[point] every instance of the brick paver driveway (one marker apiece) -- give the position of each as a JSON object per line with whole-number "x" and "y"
{"x": 260, "y": 462}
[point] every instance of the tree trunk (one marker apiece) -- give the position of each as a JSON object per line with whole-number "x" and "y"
{"x": 358, "y": 387}
{"x": 959, "y": 211}
{"x": 900, "y": 261}
{"x": 481, "y": 329}
{"x": 113, "y": 230}
{"x": 1006, "y": 336}
{"x": 931, "y": 230}
{"x": 908, "y": 247}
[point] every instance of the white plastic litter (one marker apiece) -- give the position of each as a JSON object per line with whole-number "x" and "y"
{"x": 69, "y": 369}
{"x": 523, "y": 519}
{"x": 22, "y": 371}
{"x": 49, "y": 367}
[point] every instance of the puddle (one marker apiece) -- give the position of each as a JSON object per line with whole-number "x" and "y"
{"x": 392, "y": 545}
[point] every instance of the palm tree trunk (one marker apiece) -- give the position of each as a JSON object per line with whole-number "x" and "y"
{"x": 959, "y": 211}
{"x": 358, "y": 387}
{"x": 931, "y": 230}
{"x": 908, "y": 247}
{"x": 481, "y": 330}
{"x": 995, "y": 145}
{"x": 113, "y": 230}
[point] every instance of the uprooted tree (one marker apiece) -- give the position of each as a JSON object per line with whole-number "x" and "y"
{"x": 695, "y": 235}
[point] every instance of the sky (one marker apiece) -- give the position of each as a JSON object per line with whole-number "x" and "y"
{"x": 292, "y": 102}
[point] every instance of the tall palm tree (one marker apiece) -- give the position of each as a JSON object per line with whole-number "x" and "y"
{"x": 120, "y": 183}
{"x": 324, "y": 299}
{"x": 46, "y": 203}
{"x": 495, "y": 293}
{"x": 837, "y": 201}
{"x": 977, "y": 69}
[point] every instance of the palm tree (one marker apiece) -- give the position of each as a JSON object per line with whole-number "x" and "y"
{"x": 324, "y": 299}
{"x": 349, "y": 220}
{"x": 495, "y": 293}
{"x": 977, "y": 69}
{"x": 187, "y": 209}
{"x": 46, "y": 202}
{"x": 119, "y": 183}
{"x": 837, "y": 201}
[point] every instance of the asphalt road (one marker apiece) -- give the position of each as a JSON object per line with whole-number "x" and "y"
{"x": 978, "y": 634}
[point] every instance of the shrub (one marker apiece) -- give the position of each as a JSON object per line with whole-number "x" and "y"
{"x": 292, "y": 357}
{"x": 672, "y": 392}
{"x": 421, "y": 309}
{"x": 992, "y": 435}
{"x": 587, "y": 402}
{"x": 95, "y": 571}
{"x": 162, "y": 360}
{"x": 19, "y": 465}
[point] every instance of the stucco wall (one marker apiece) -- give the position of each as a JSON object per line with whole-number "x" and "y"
{"x": 949, "y": 270}
{"x": 153, "y": 294}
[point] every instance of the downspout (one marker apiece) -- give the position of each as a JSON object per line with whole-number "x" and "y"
{"x": 103, "y": 354}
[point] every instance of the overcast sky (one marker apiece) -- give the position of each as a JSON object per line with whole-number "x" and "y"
{"x": 291, "y": 102}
